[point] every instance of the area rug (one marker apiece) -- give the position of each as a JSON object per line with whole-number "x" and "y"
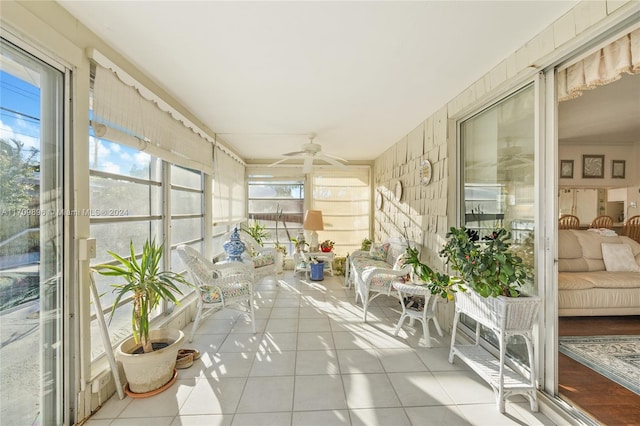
{"x": 615, "y": 357}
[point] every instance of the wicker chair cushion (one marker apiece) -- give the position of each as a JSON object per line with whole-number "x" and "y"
{"x": 362, "y": 262}
{"x": 229, "y": 292}
{"x": 381, "y": 281}
{"x": 262, "y": 260}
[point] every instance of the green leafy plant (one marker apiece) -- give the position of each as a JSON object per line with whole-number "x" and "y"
{"x": 281, "y": 248}
{"x": 488, "y": 266}
{"x": 299, "y": 244}
{"x": 437, "y": 283}
{"x": 257, "y": 231}
{"x": 339, "y": 265}
{"x": 366, "y": 244}
{"x": 145, "y": 283}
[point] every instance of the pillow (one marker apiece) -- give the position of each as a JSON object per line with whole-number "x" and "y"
{"x": 619, "y": 258}
{"x": 379, "y": 251}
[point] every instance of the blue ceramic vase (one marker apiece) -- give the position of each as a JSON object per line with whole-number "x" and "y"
{"x": 234, "y": 247}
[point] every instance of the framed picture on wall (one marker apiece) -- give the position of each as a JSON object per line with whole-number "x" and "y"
{"x": 592, "y": 166}
{"x": 617, "y": 169}
{"x": 566, "y": 169}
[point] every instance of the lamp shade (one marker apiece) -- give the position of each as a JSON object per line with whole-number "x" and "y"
{"x": 313, "y": 220}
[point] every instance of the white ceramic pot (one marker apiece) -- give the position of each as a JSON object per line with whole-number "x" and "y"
{"x": 146, "y": 372}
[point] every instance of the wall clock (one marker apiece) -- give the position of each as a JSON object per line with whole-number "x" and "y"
{"x": 398, "y": 190}
{"x": 379, "y": 200}
{"x": 425, "y": 172}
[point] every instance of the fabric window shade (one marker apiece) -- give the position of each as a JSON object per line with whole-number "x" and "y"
{"x": 134, "y": 120}
{"x": 601, "y": 67}
{"x": 344, "y": 197}
{"x": 229, "y": 189}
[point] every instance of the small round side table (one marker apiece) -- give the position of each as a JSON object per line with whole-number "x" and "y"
{"x": 426, "y": 314}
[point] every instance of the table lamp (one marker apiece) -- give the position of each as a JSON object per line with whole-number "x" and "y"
{"x": 313, "y": 222}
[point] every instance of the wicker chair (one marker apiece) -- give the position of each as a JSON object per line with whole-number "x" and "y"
{"x": 263, "y": 258}
{"x": 631, "y": 228}
{"x": 568, "y": 221}
{"x": 221, "y": 285}
{"x": 602, "y": 222}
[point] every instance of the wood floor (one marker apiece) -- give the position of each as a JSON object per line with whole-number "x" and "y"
{"x": 603, "y": 399}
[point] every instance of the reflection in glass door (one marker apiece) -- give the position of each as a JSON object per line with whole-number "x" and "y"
{"x": 31, "y": 243}
{"x": 497, "y": 183}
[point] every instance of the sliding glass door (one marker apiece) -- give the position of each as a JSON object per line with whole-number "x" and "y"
{"x": 31, "y": 242}
{"x": 498, "y": 188}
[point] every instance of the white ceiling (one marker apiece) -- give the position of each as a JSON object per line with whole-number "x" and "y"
{"x": 361, "y": 75}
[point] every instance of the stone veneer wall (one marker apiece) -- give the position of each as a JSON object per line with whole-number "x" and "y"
{"x": 427, "y": 211}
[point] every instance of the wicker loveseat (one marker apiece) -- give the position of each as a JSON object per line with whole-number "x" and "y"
{"x": 587, "y": 284}
{"x": 373, "y": 272}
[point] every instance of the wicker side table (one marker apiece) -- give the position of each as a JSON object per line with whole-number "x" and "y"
{"x": 427, "y": 313}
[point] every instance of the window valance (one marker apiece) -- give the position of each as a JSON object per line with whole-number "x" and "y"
{"x": 125, "y": 107}
{"x": 601, "y": 67}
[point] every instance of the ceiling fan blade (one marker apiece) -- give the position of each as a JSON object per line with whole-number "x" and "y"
{"x": 293, "y": 154}
{"x": 308, "y": 163}
{"x": 278, "y": 162}
{"x": 335, "y": 157}
{"x": 329, "y": 159}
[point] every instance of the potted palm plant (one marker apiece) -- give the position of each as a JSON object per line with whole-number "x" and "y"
{"x": 149, "y": 356}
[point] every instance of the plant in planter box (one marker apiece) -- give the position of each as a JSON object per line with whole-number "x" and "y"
{"x": 493, "y": 275}
{"x": 147, "y": 285}
{"x": 488, "y": 266}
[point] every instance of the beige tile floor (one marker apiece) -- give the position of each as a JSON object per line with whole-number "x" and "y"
{"x": 314, "y": 362}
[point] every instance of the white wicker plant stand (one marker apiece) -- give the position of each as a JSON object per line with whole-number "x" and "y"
{"x": 505, "y": 316}
{"x": 424, "y": 316}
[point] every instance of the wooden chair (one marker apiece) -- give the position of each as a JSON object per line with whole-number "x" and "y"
{"x": 602, "y": 222}
{"x": 221, "y": 285}
{"x": 631, "y": 228}
{"x": 569, "y": 221}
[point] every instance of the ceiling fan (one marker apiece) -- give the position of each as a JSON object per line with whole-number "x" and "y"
{"x": 310, "y": 152}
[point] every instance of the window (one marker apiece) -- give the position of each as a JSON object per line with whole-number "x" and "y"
{"x": 267, "y": 193}
{"x": 344, "y": 197}
{"x": 228, "y": 198}
{"x": 148, "y": 170}
{"x": 125, "y": 206}
{"x": 187, "y": 215}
